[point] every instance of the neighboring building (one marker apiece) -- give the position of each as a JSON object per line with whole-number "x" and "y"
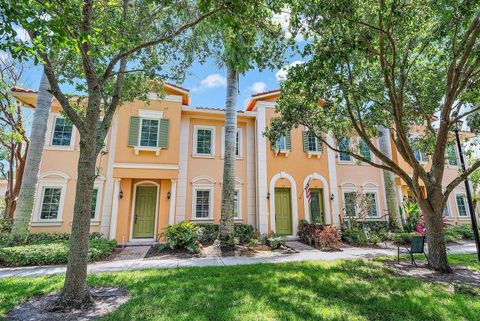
{"x": 162, "y": 164}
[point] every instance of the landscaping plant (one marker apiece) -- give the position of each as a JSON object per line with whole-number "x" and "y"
{"x": 184, "y": 236}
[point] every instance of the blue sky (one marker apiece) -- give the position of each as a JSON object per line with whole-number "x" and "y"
{"x": 206, "y": 82}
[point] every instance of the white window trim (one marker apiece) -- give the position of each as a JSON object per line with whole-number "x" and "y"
{"x": 341, "y": 161}
{"x": 447, "y": 206}
{"x": 240, "y": 143}
{"x": 98, "y": 186}
{"x": 466, "y": 206}
{"x": 149, "y": 115}
{"x": 284, "y": 151}
{"x": 238, "y": 188}
{"x": 344, "y": 191}
{"x": 377, "y": 205}
{"x": 195, "y": 141}
{"x": 42, "y": 185}
{"x": 202, "y": 187}
{"x": 50, "y": 131}
{"x": 317, "y": 153}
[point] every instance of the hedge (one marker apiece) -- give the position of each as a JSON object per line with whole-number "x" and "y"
{"x": 243, "y": 232}
{"x": 53, "y": 253}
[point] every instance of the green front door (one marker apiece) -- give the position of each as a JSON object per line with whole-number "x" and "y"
{"x": 145, "y": 207}
{"x": 316, "y": 206}
{"x": 283, "y": 211}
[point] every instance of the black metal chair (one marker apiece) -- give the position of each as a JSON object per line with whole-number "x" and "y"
{"x": 417, "y": 246}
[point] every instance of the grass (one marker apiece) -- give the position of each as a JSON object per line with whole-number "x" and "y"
{"x": 342, "y": 290}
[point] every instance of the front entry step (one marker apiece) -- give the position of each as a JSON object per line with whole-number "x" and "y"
{"x": 132, "y": 253}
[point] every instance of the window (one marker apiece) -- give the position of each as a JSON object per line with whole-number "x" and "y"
{"x": 420, "y": 156}
{"x": 462, "y": 205}
{"x": 236, "y": 204}
{"x": 238, "y": 147}
{"x": 204, "y": 141}
{"x": 202, "y": 203}
{"x": 313, "y": 144}
{"x": 149, "y": 132}
{"x": 344, "y": 145}
{"x": 62, "y": 132}
{"x": 282, "y": 143}
{"x": 365, "y": 150}
{"x": 350, "y": 203}
{"x": 371, "y": 204}
{"x": 452, "y": 158}
{"x": 50, "y": 203}
{"x": 93, "y": 208}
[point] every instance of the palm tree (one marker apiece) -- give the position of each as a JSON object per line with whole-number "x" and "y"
{"x": 228, "y": 185}
{"x": 34, "y": 155}
{"x": 395, "y": 220}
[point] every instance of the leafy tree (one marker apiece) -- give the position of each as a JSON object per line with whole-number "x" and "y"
{"x": 409, "y": 66}
{"x": 13, "y": 137}
{"x": 112, "y": 51}
{"x": 243, "y": 37}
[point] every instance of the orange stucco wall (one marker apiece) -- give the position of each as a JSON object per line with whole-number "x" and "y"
{"x": 297, "y": 164}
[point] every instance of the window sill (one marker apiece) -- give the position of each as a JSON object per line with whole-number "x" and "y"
{"x": 351, "y": 162}
{"x": 464, "y": 217}
{"x": 94, "y": 223}
{"x": 59, "y": 148}
{"x": 236, "y": 157}
{"x": 310, "y": 154}
{"x": 139, "y": 149}
{"x": 202, "y": 220}
{"x": 47, "y": 223}
{"x": 203, "y": 156}
{"x": 286, "y": 152}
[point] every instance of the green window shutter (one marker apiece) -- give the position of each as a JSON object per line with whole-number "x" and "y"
{"x": 134, "y": 131}
{"x": 305, "y": 141}
{"x": 288, "y": 141}
{"x": 163, "y": 133}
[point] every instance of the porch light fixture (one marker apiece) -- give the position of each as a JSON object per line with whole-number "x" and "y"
{"x": 169, "y": 194}
{"x": 332, "y": 197}
{"x": 120, "y": 194}
{"x": 268, "y": 195}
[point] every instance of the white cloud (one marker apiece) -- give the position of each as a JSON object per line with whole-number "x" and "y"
{"x": 258, "y": 87}
{"x": 4, "y": 56}
{"x": 282, "y": 73}
{"x": 211, "y": 81}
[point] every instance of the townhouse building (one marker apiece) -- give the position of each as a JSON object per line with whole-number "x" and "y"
{"x": 163, "y": 163}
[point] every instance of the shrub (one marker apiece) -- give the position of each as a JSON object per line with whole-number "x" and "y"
{"x": 54, "y": 253}
{"x": 459, "y": 232}
{"x": 401, "y": 238}
{"x": 327, "y": 237}
{"x": 244, "y": 232}
{"x": 45, "y": 237}
{"x": 374, "y": 226}
{"x": 6, "y": 225}
{"x": 275, "y": 241}
{"x": 324, "y": 236}
{"x": 184, "y": 236}
{"x": 355, "y": 236}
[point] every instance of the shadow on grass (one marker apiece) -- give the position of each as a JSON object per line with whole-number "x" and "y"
{"x": 351, "y": 290}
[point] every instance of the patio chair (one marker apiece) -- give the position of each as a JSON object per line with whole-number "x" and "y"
{"x": 417, "y": 246}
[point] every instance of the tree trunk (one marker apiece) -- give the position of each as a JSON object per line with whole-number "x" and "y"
{"x": 34, "y": 155}
{"x": 228, "y": 184}
{"x": 437, "y": 251}
{"x": 11, "y": 196}
{"x": 75, "y": 292}
{"x": 394, "y": 215}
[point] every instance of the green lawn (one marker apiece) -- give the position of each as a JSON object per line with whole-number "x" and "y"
{"x": 344, "y": 290}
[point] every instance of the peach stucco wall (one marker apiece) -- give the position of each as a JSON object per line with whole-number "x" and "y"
{"x": 213, "y": 166}
{"x": 297, "y": 165}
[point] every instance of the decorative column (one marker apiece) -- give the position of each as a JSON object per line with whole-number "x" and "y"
{"x": 114, "y": 216}
{"x": 173, "y": 197}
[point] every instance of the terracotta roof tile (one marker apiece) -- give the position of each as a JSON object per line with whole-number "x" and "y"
{"x": 266, "y": 92}
{"x": 22, "y": 90}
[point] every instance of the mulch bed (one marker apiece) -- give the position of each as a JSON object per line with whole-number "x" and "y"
{"x": 461, "y": 275}
{"x": 106, "y": 299}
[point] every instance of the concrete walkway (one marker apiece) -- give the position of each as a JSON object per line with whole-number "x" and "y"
{"x": 305, "y": 253}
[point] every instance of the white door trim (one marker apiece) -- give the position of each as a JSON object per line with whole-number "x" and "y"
{"x": 146, "y": 183}
{"x": 293, "y": 196}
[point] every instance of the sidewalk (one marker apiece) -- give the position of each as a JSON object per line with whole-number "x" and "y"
{"x": 304, "y": 254}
